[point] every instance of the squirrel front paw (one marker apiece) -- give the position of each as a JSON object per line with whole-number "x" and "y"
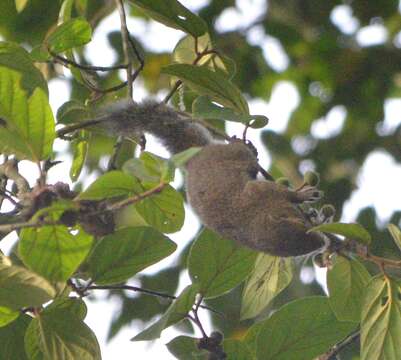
{"x": 309, "y": 194}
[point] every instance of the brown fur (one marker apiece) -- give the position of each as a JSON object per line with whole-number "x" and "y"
{"x": 263, "y": 215}
{"x": 221, "y": 183}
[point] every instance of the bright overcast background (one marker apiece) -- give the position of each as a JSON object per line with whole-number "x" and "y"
{"x": 377, "y": 181}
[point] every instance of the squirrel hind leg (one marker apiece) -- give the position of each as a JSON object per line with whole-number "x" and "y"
{"x": 290, "y": 238}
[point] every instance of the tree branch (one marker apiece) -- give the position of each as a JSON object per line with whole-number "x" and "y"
{"x": 81, "y": 291}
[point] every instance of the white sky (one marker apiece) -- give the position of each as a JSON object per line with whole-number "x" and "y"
{"x": 376, "y": 182}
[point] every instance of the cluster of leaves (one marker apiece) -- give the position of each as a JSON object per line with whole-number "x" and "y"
{"x": 61, "y": 255}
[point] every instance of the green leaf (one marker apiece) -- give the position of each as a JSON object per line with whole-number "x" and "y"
{"x": 20, "y": 288}
{"x": 164, "y": 210}
{"x": 12, "y": 339}
{"x": 204, "y": 108}
{"x": 65, "y": 11}
{"x": 16, "y": 58}
{"x": 218, "y": 265}
{"x": 396, "y": 234}
{"x": 20, "y": 5}
{"x": 137, "y": 168}
{"x": 302, "y": 330}
{"x": 186, "y": 348}
{"x": 171, "y": 13}
{"x": 72, "y": 33}
{"x": 7, "y": 315}
{"x": 72, "y": 112}
{"x": 347, "y": 282}
{"x": 59, "y": 334}
{"x": 39, "y": 53}
{"x": 381, "y": 320}
{"x": 119, "y": 256}
{"x": 213, "y": 84}
{"x": 251, "y": 337}
{"x": 150, "y": 167}
{"x": 52, "y": 251}
{"x": 269, "y": 277}
{"x": 185, "y": 53}
{"x": 28, "y": 128}
{"x": 185, "y": 50}
{"x": 111, "y": 184}
{"x": 177, "y": 311}
{"x": 351, "y": 231}
{"x": 180, "y": 159}
{"x": 80, "y": 148}
{"x": 237, "y": 350}
{"x": 69, "y": 305}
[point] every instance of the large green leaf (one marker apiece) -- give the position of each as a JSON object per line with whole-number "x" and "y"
{"x": 164, "y": 211}
{"x": 269, "y": 277}
{"x": 27, "y": 126}
{"x": 12, "y": 339}
{"x": 72, "y": 33}
{"x": 111, "y": 184}
{"x": 237, "y": 350}
{"x": 302, "y": 330}
{"x": 60, "y": 334}
{"x": 213, "y": 84}
{"x": 173, "y": 14}
{"x": 351, "y": 231}
{"x": 20, "y": 288}
{"x": 15, "y": 57}
{"x": 149, "y": 167}
{"x": 177, "y": 311}
{"x": 119, "y": 256}
{"x": 347, "y": 282}
{"x": 52, "y": 251}
{"x": 218, "y": 265}
{"x": 381, "y": 320}
{"x": 72, "y": 305}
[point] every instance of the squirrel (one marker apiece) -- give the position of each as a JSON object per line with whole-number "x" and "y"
{"x": 221, "y": 181}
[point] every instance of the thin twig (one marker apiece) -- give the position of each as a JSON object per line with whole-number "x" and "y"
{"x": 79, "y": 126}
{"x": 3, "y": 194}
{"x": 65, "y": 61}
{"x": 136, "y": 289}
{"x": 126, "y": 43}
{"x": 381, "y": 262}
{"x": 114, "y": 207}
{"x": 199, "y": 56}
{"x": 138, "y": 57}
{"x": 136, "y": 198}
{"x": 335, "y": 350}
{"x": 172, "y": 91}
{"x": 7, "y": 228}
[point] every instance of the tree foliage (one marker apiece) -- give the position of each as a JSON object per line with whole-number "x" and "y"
{"x": 73, "y": 241}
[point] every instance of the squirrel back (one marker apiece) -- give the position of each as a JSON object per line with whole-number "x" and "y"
{"x": 176, "y": 130}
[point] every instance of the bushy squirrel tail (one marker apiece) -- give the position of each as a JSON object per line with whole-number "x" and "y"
{"x": 176, "y": 130}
